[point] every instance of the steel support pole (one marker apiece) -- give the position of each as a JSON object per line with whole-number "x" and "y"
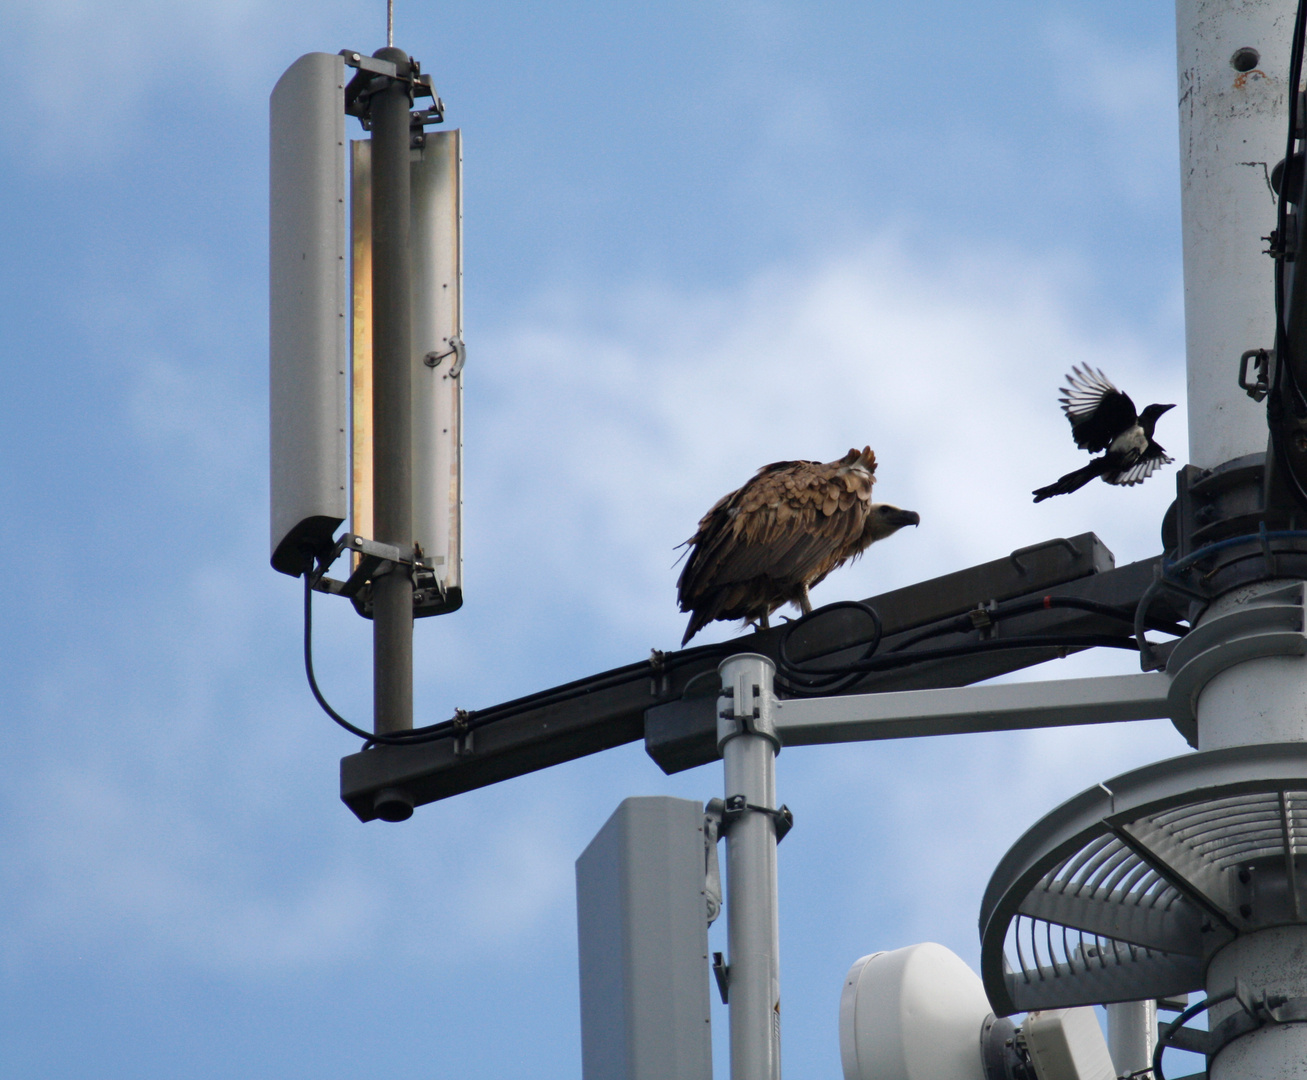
{"x": 392, "y": 411}
{"x": 747, "y": 738}
{"x": 1132, "y": 1035}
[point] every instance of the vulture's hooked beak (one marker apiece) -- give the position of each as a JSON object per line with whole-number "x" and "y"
{"x": 905, "y": 517}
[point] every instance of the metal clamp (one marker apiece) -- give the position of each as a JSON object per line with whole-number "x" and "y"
{"x": 456, "y": 349}
{"x": 721, "y": 971}
{"x": 713, "y": 814}
{"x": 734, "y": 713}
{"x": 1257, "y": 1009}
{"x": 376, "y": 560}
{"x": 736, "y": 807}
{"x": 373, "y": 74}
{"x": 1262, "y": 386}
{"x": 748, "y": 708}
{"x": 464, "y": 734}
{"x": 982, "y": 619}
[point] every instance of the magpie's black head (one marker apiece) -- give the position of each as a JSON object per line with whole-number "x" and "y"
{"x": 1149, "y": 416}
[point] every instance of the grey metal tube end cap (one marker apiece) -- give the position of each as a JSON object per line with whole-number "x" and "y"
{"x": 392, "y": 804}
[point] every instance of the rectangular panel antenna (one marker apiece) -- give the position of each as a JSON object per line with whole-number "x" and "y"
{"x": 642, "y": 929}
{"x": 436, "y": 217}
{"x": 307, "y": 316}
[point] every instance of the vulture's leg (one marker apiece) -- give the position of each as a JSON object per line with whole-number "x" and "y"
{"x": 805, "y": 605}
{"x": 763, "y": 624}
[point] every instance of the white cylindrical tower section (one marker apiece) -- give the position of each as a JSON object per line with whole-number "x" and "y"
{"x": 1261, "y": 700}
{"x": 1233, "y": 64}
{"x": 1272, "y": 960}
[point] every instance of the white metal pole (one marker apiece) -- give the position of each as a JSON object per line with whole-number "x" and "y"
{"x": 746, "y": 735}
{"x": 1132, "y": 1035}
{"x": 1234, "y": 65}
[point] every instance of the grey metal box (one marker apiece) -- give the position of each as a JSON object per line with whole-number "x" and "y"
{"x": 642, "y": 921}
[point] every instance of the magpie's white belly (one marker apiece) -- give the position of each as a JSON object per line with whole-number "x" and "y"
{"x": 1132, "y": 442}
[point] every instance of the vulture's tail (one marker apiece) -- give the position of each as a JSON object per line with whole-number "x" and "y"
{"x": 698, "y": 620}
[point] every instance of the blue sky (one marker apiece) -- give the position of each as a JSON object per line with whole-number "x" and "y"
{"x": 699, "y": 237}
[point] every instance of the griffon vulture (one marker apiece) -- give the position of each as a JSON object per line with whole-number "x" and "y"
{"x": 780, "y": 534}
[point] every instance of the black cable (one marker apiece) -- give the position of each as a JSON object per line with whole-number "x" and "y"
{"x": 1028, "y": 641}
{"x": 1148, "y": 660}
{"x": 1286, "y": 381}
{"x": 472, "y": 721}
{"x": 584, "y": 687}
{"x": 1170, "y": 578}
{"x": 1170, "y": 570}
{"x": 853, "y": 673}
{"x": 1027, "y": 606}
{"x": 442, "y": 730}
{"x": 801, "y": 678}
{"x": 796, "y": 676}
{"x": 1175, "y": 1025}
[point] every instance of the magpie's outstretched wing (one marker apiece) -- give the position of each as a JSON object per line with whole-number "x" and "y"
{"x": 1097, "y": 410}
{"x": 1153, "y": 459}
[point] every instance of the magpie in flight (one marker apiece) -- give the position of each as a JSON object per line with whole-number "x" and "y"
{"x": 1103, "y": 418}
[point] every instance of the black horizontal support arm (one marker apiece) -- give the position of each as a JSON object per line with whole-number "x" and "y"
{"x": 648, "y": 699}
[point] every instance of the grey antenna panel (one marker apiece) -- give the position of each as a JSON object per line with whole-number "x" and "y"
{"x": 436, "y": 217}
{"x": 642, "y": 928}
{"x": 1123, "y": 892}
{"x": 438, "y": 351}
{"x": 308, "y": 380}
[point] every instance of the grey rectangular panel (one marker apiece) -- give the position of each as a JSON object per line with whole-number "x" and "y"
{"x": 436, "y": 217}
{"x": 308, "y": 384}
{"x": 437, "y": 227}
{"x": 642, "y": 925}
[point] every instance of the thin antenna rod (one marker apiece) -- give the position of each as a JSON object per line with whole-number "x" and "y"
{"x": 390, "y": 24}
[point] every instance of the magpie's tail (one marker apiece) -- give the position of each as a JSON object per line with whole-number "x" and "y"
{"x": 1072, "y": 481}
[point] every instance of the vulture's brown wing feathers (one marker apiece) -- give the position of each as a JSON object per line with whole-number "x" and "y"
{"x": 787, "y": 528}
